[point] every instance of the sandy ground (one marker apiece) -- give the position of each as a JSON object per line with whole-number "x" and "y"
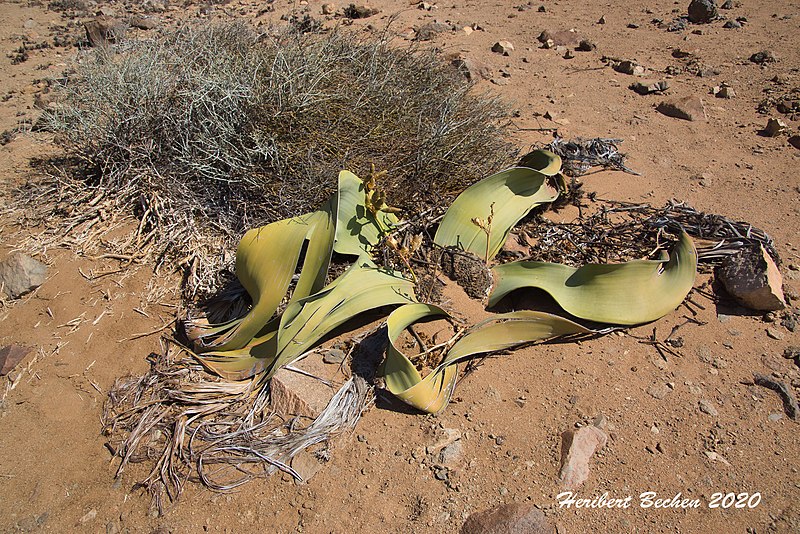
{"x": 56, "y": 475}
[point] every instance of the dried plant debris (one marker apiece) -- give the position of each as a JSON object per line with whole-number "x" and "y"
{"x": 579, "y": 155}
{"x": 235, "y": 127}
{"x": 619, "y": 231}
{"x": 193, "y": 426}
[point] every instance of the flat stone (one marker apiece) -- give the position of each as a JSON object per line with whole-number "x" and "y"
{"x": 334, "y": 356}
{"x": 774, "y": 334}
{"x": 752, "y": 278}
{"x": 143, "y": 22}
{"x": 577, "y": 447}
{"x": 359, "y": 11}
{"x": 306, "y": 465}
{"x": 451, "y": 454}
{"x": 431, "y": 30}
{"x": 10, "y": 356}
{"x": 688, "y": 108}
{"x": 645, "y": 87}
{"x": 21, "y": 274}
{"x": 295, "y": 394}
{"x": 508, "y": 519}
{"x": 659, "y": 391}
{"x": 707, "y": 407}
{"x": 560, "y": 38}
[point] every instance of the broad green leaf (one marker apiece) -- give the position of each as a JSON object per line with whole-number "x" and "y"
{"x": 307, "y": 321}
{"x": 626, "y": 293}
{"x": 432, "y": 393}
{"x": 265, "y": 275}
{"x": 357, "y": 230}
{"x": 362, "y": 288}
{"x": 267, "y": 258}
{"x": 544, "y": 161}
{"x": 510, "y": 194}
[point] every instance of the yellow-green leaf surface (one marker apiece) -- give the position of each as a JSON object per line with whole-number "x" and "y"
{"x": 544, "y": 161}
{"x": 265, "y": 275}
{"x": 267, "y": 257}
{"x": 626, "y": 293}
{"x": 511, "y": 194}
{"x": 357, "y": 230}
{"x": 429, "y": 394}
{"x": 432, "y": 393}
{"x": 305, "y": 322}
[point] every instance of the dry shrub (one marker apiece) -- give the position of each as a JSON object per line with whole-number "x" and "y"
{"x": 209, "y": 130}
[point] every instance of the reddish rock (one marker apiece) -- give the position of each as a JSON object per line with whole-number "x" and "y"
{"x": 508, "y": 519}
{"x": 10, "y": 356}
{"x": 295, "y": 394}
{"x": 577, "y": 447}
{"x": 753, "y": 279}
{"x": 104, "y": 30}
{"x": 689, "y": 108}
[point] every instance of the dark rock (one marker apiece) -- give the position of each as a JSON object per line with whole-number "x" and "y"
{"x": 10, "y": 356}
{"x": 795, "y": 141}
{"x": 602, "y": 20}
{"x": 104, "y": 30}
{"x": 359, "y": 12}
{"x": 469, "y": 271}
{"x": 20, "y": 274}
{"x": 752, "y": 278}
{"x": 629, "y": 67}
{"x": 728, "y": 4}
{"x": 763, "y": 58}
{"x": 586, "y": 45}
{"x": 678, "y": 25}
{"x": 646, "y": 87}
{"x": 791, "y": 352}
{"x": 774, "y": 128}
{"x": 508, "y": 519}
{"x": 702, "y": 11}
{"x": 577, "y": 447}
{"x": 431, "y": 30}
{"x": 689, "y": 108}
{"x": 732, "y": 24}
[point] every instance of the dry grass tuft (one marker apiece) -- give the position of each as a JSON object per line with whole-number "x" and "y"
{"x": 207, "y": 131}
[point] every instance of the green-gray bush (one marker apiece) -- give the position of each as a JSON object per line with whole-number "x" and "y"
{"x": 228, "y": 128}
